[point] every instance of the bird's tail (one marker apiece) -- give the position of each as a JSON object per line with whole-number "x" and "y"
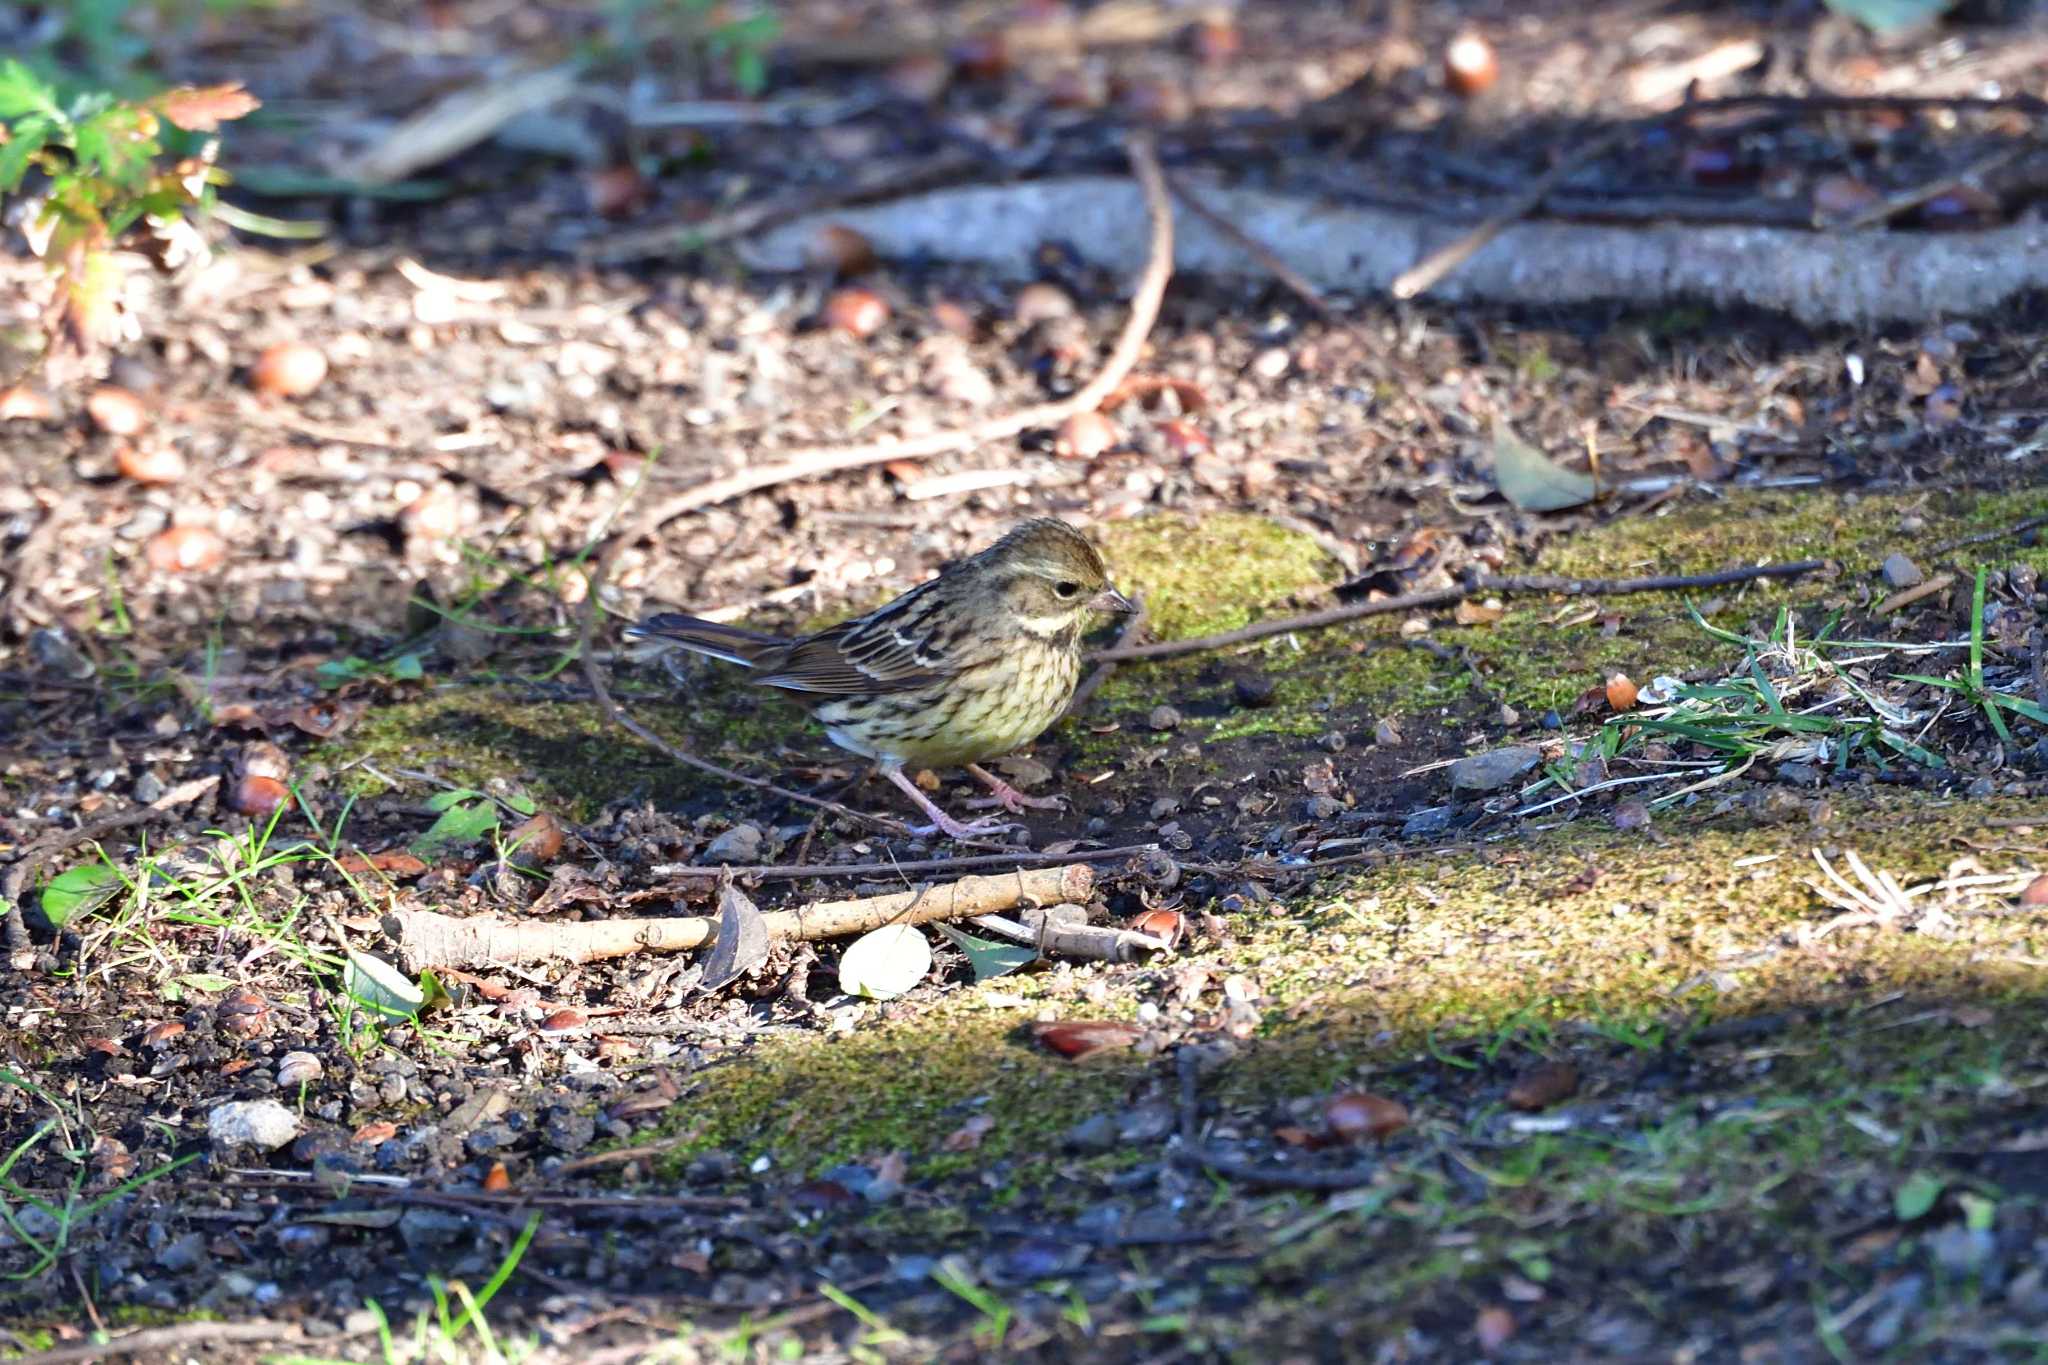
{"x": 733, "y": 644}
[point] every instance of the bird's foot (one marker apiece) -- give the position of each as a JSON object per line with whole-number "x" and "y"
{"x": 1008, "y": 797}
{"x": 972, "y": 829}
{"x": 943, "y": 823}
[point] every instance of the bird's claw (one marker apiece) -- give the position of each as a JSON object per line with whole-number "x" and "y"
{"x": 1016, "y": 802}
{"x": 973, "y": 829}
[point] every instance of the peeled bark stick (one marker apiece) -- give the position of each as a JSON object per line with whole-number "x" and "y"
{"x": 1061, "y": 938}
{"x": 425, "y": 939}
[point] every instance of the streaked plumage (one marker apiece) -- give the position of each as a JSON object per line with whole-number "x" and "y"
{"x": 968, "y": 666}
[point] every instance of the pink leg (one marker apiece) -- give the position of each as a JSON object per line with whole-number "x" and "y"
{"x": 1008, "y": 797}
{"x": 943, "y": 823}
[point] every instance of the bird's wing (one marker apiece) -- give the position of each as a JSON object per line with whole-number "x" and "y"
{"x": 912, "y": 642}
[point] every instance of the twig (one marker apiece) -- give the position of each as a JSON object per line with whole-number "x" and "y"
{"x": 427, "y": 939}
{"x": 656, "y": 243}
{"x": 1892, "y": 204}
{"x": 1433, "y": 267}
{"x": 1134, "y": 624}
{"x": 808, "y": 464}
{"x": 1516, "y": 585}
{"x": 1009, "y": 861}
{"x": 171, "y": 1340}
{"x": 1303, "y": 288}
{"x": 2018, "y": 528}
{"x": 33, "y": 856}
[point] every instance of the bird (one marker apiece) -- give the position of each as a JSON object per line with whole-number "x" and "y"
{"x": 964, "y": 667}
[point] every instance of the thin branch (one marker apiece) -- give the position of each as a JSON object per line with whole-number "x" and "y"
{"x": 656, "y": 243}
{"x": 174, "y": 1340}
{"x": 1133, "y": 626}
{"x": 1912, "y": 198}
{"x": 817, "y": 461}
{"x": 1433, "y": 267}
{"x": 1518, "y": 585}
{"x": 1008, "y": 861}
{"x": 2018, "y": 528}
{"x": 1251, "y": 246}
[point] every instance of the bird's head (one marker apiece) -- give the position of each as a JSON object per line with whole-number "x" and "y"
{"x": 1050, "y": 578}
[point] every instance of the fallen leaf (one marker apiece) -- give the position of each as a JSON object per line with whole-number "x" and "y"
{"x": 742, "y": 941}
{"x": 1083, "y": 1038}
{"x": 968, "y": 1135}
{"x": 1533, "y": 481}
{"x": 1544, "y": 1085}
{"x": 202, "y": 109}
{"x": 1494, "y": 1327}
{"x": 370, "y": 1134}
{"x": 1470, "y": 613}
{"x": 1358, "y": 1114}
{"x": 987, "y": 957}
{"x": 392, "y": 863}
{"x": 885, "y": 963}
{"x": 497, "y": 1179}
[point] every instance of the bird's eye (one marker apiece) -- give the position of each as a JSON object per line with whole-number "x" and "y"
{"x": 1066, "y": 590}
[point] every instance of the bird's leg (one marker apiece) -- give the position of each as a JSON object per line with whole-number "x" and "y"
{"x": 943, "y": 823}
{"x": 1007, "y": 796}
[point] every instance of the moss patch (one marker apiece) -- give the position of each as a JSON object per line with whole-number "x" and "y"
{"x": 1217, "y": 574}
{"x": 1510, "y": 951}
{"x": 1857, "y": 532}
{"x": 565, "y": 753}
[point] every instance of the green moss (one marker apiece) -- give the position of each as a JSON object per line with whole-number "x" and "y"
{"x": 1856, "y": 531}
{"x": 1502, "y": 953}
{"x": 903, "y": 1086}
{"x": 563, "y": 752}
{"x": 1216, "y": 574}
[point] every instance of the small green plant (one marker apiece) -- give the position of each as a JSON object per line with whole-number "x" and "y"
{"x": 98, "y": 165}
{"x": 1971, "y": 685}
{"x": 739, "y": 43}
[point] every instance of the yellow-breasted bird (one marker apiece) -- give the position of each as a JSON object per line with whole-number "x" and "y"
{"x": 969, "y": 666}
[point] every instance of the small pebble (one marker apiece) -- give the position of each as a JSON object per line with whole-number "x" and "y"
{"x": 1252, "y": 689}
{"x": 1901, "y": 572}
{"x": 1331, "y": 742}
{"x": 1163, "y": 718}
{"x": 1272, "y": 363}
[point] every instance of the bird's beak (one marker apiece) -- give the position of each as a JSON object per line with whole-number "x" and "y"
{"x": 1109, "y": 599}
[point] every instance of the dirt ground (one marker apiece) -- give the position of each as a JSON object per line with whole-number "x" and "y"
{"x": 1646, "y": 1032}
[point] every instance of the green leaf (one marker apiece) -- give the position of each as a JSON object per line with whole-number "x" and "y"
{"x": 24, "y": 92}
{"x": 406, "y": 668}
{"x": 210, "y": 983}
{"x": 523, "y": 804}
{"x": 381, "y": 987}
{"x": 459, "y": 824}
{"x": 440, "y": 801}
{"x": 80, "y": 891}
{"x": 988, "y": 957}
{"x": 1916, "y": 1195}
{"x": 28, "y": 138}
{"x": 1532, "y": 480}
{"x": 1889, "y": 16}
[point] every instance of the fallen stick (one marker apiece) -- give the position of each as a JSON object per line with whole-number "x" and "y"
{"x": 1518, "y": 585}
{"x": 1055, "y": 936}
{"x": 808, "y": 464}
{"x": 425, "y": 939}
{"x": 1817, "y": 278}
